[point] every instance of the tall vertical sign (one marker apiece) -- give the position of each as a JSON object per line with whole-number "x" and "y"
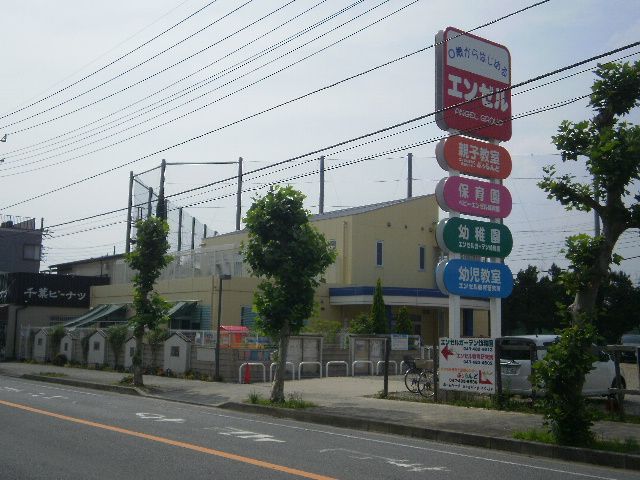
{"x": 473, "y": 101}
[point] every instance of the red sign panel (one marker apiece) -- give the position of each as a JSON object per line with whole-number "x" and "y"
{"x": 471, "y": 75}
{"x": 473, "y": 157}
{"x": 473, "y": 197}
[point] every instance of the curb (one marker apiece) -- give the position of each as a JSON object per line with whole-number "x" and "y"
{"x": 573, "y": 454}
{"x": 84, "y": 384}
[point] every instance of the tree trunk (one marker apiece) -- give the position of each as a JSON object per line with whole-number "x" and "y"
{"x": 137, "y": 362}
{"x": 277, "y": 389}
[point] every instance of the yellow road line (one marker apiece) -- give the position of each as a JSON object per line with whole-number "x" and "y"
{"x": 175, "y": 443}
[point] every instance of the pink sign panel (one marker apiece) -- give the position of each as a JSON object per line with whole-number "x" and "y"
{"x": 472, "y": 74}
{"x": 473, "y": 197}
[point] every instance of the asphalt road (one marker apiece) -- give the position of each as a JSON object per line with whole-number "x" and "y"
{"x": 56, "y": 432}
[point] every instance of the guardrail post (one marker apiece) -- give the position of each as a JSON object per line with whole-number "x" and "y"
{"x": 619, "y": 394}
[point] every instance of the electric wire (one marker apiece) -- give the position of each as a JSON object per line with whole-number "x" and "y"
{"x": 110, "y": 63}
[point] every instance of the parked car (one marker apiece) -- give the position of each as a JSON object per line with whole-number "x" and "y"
{"x": 515, "y": 364}
{"x": 630, "y": 339}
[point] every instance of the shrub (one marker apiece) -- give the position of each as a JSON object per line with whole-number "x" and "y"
{"x": 561, "y": 374}
{"x": 59, "y": 360}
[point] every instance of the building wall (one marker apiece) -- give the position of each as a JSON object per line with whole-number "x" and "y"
{"x": 402, "y": 228}
{"x": 12, "y": 254}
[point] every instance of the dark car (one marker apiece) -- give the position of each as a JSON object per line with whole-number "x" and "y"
{"x": 630, "y": 339}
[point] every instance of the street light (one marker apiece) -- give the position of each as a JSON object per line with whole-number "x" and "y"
{"x": 220, "y": 278}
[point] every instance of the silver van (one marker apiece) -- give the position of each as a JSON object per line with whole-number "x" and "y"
{"x": 518, "y": 353}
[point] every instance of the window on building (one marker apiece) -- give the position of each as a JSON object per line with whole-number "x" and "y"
{"x": 332, "y": 244}
{"x": 40, "y": 341}
{"x": 31, "y": 252}
{"x": 132, "y": 351}
{"x": 379, "y": 244}
{"x": 421, "y": 258}
{"x": 96, "y": 346}
{"x": 175, "y": 351}
{"x": 66, "y": 347}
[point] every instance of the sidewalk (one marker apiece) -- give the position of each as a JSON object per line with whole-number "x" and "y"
{"x": 348, "y": 402}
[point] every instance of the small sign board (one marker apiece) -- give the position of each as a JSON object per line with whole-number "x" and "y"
{"x": 399, "y": 342}
{"x": 473, "y": 197}
{"x": 469, "y": 278}
{"x": 471, "y": 237}
{"x": 467, "y": 365}
{"x": 473, "y": 76}
{"x": 473, "y": 157}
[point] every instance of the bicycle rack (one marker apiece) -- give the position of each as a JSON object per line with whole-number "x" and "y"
{"x": 293, "y": 370}
{"x": 308, "y": 363}
{"x": 353, "y": 366}
{"x": 381, "y": 362}
{"x": 336, "y": 362}
{"x": 250, "y": 364}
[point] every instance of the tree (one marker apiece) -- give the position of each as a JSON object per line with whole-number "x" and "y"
{"x": 289, "y": 254}
{"x": 149, "y": 258}
{"x": 56, "y": 335}
{"x": 378, "y": 311}
{"x": 618, "y": 307}
{"x": 155, "y": 338}
{"x": 116, "y": 336}
{"x": 611, "y": 148}
{"x": 532, "y": 306}
{"x": 404, "y": 325}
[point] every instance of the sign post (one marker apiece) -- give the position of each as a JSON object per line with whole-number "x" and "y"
{"x": 473, "y": 98}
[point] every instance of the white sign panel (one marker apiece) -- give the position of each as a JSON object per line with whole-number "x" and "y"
{"x": 467, "y": 365}
{"x": 399, "y": 342}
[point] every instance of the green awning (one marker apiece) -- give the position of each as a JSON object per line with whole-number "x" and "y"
{"x": 95, "y": 315}
{"x": 182, "y": 309}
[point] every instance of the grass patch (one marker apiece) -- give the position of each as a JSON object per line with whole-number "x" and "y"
{"x": 628, "y": 445}
{"x": 127, "y": 381}
{"x": 293, "y": 400}
{"x": 52, "y": 374}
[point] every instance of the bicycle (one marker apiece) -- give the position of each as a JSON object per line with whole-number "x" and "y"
{"x": 419, "y": 380}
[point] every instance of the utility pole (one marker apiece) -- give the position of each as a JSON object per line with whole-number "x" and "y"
{"x": 321, "y": 202}
{"x": 409, "y": 175}
{"x": 239, "y": 195}
{"x": 129, "y": 207}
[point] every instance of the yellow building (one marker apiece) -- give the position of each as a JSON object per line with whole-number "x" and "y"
{"x": 392, "y": 241}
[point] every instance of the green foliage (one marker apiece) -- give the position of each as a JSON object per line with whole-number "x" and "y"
{"x": 618, "y": 307}
{"x": 533, "y": 304}
{"x": 149, "y": 258}
{"x": 361, "y": 325}
{"x": 59, "y": 360}
{"x": 116, "y": 336}
{"x": 84, "y": 343}
{"x": 561, "y": 374}
{"x": 56, "y": 335}
{"x": 155, "y": 338}
{"x": 327, "y": 328}
{"x": 290, "y": 255}
{"x": 294, "y": 401}
{"x": 628, "y": 445}
{"x": 611, "y": 149}
{"x": 378, "y": 311}
{"x": 404, "y": 325}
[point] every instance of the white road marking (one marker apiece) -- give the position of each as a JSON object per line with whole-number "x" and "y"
{"x": 425, "y": 449}
{"x": 157, "y": 417}
{"x": 411, "y": 467}
{"x": 246, "y": 435}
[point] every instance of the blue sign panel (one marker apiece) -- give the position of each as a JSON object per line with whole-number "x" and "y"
{"x": 474, "y": 279}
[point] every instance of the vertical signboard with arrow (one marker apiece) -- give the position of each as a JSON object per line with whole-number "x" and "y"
{"x": 467, "y": 365}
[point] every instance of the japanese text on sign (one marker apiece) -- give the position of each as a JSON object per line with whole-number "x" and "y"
{"x": 467, "y": 364}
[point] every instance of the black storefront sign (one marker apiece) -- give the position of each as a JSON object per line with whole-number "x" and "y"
{"x": 47, "y": 290}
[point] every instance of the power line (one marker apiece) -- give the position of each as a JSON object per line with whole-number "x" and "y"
{"x": 325, "y": 88}
{"x": 110, "y": 63}
{"x": 179, "y": 94}
{"x": 170, "y": 85}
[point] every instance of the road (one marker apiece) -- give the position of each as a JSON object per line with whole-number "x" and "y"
{"x": 58, "y": 432}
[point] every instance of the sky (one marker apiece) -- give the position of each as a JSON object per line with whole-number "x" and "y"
{"x": 94, "y": 90}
